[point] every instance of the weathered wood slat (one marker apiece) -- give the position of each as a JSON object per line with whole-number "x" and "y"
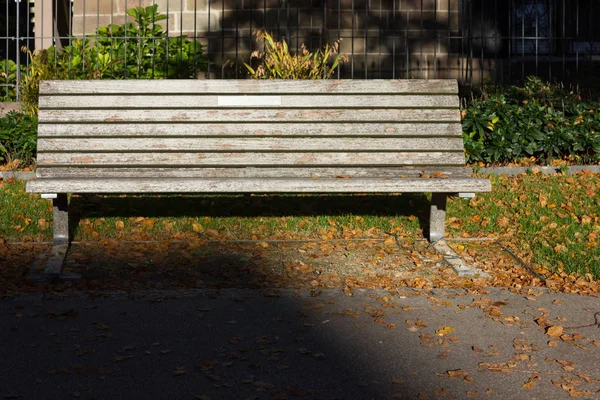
{"x": 135, "y": 130}
{"x": 251, "y": 159}
{"x": 244, "y": 115}
{"x": 251, "y": 144}
{"x": 164, "y": 87}
{"x": 244, "y": 172}
{"x": 213, "y": 101}
{"x": 246, "y": 185}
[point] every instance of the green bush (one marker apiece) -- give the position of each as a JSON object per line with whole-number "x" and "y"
{"x": 276, "y": 61}
{"x": 538, "y": 120}
{"x": 135, "y": 50}
{"x": 8, "y": 80}
{"x": 18, "y": 136}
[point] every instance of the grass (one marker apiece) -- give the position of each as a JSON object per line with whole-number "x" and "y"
{"x": 552, "y": 222}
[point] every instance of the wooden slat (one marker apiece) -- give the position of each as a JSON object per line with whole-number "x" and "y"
{"x": 250, "y": 144}
{"x": 250, "y": 159}
{"x": 212, "y": 101}
{"x": 257, "y": 129}
{"x": 221, "y": 86}
{"x": 242, "y": 172}
{"x": 245, "y": 185}
{"x": 266, "y": 115}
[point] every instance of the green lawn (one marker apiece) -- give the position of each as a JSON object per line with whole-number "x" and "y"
{"x": 552, "y": 222}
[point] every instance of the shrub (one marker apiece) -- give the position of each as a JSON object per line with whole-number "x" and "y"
{"x": 276, "y": 61}
{"x": 8, "y": 80}
{"x": 538, "y": 120}
{"x": 18, "y": 136}
{"x": 139, "y": 50}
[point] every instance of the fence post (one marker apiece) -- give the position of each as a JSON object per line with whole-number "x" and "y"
{"x": 44, "y": 24}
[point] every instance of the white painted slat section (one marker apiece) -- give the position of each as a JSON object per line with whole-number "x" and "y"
{"x": 221, "y": 86}
{"x": 251, "y": 101}
{"x": 251, "y": 144}
{"x": 237, "y": 101}
{"x": 245, "y": 172}
{"x": 250, "y": 159}
{"x": 245, "y": 115}
{"x": 245, "y": 185}
{"x": 256, "y": 129}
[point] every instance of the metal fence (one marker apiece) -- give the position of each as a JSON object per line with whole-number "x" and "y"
{"x": 474, "y": 41}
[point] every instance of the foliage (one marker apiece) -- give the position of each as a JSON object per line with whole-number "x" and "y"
{"x": 538, "y": 120}
{"x": 137, "y": 50}
{"x": 276, "y": 61}
{"x": 39, "y": 69}
{"x": 18, "y": 136}
{"x": 143, "y": 50}
{"x": 8, "y": 80}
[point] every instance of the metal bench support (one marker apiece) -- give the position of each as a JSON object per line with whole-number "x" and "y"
{"x": 437, "y": 217}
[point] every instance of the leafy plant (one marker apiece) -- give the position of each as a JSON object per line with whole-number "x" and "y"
{"x": 538, "y": 120}
{"x": 8, "y": 80}
{"x": 40, "y": 68}
{"x": 143, "y": 50}
{"x": 276, "y": 61}
{"x": 18, "y": 136}
{"x": 135, "y": 50}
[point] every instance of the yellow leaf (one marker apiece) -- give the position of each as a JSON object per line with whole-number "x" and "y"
{"x": 119, "y": 225}
{"x": 197, "y": 227}
{"x": 444, "y": 331}
{"x": 554, "y": 331}
{"x": 390, "y": 241}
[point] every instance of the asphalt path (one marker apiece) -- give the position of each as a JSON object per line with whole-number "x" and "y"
{"x": 253, "y": 344}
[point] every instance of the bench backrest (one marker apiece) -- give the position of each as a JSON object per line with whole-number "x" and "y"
{"x": 213, "y": 128}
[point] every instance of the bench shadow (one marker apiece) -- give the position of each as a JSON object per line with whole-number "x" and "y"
{"x": 238, "y": 345}
{"x": 155, "y": 206}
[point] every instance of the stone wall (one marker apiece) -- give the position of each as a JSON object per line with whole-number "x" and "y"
{"x": 384, "y": 38}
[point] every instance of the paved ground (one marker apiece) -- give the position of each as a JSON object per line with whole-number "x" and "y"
{"x": 238, "y": 344}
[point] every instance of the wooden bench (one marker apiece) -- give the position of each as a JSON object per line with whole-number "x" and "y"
{"x": 247, "y": 136}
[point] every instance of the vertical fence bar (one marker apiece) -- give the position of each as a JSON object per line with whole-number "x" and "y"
{"x": 181, "y": 71}
{"x": 564, "y": 41}
{"x": 366, "y": 39}
{"x": 406, "y": 44}
{"x": 470, "y": 46}
{"x": 537, "y": 34}
{"x": 449, "y": 34}
{"x": 195, "y": 37}
{"x": 208, "y": 41}
{"x": 523, "y": 46}
{"x": 483, "y": 42}
{"x": 496, "y": 46}
{"x": 237, "y": 37}
{"x": 436, "y": 41}
{"x": 352, "y": 41}
{"x": 7, "y": 42}
{"x": 222, "y": 39}
{"x": 421, "y": 43}
{"x": 339, "y": 28}
{"x": 510, "y": 38}
{"x": 381, "y": 43}
{"x": 577, "y": 36}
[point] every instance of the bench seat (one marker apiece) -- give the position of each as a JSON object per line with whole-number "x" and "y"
{"x": 259, "y": 185}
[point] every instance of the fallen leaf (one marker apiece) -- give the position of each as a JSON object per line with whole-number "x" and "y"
{"x": 554, "y": 331}
{"x": 179, "y": 371}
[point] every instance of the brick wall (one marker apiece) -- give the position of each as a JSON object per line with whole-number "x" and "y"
{"x": 384, "y": 38}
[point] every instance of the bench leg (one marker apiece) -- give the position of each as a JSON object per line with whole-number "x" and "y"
{"x": 60, "y": 244}
{"x": 437, "y": 217}
{"x": 60, "y": 211}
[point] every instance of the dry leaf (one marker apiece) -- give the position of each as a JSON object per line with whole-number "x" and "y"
{"x": 554, "y": 331}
